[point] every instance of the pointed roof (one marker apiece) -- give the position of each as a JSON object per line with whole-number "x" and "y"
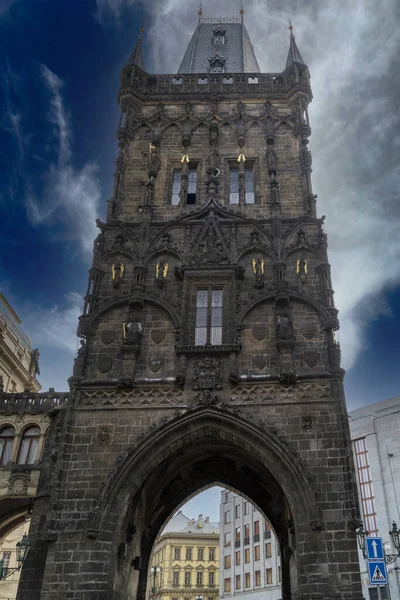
{"x": 294, "y": 53}
{"x": 136, "y": 58}
{"x": 236, "y": 47}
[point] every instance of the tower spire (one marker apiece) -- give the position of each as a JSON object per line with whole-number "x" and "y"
{"x": 294, "y": 55}
{"x": 136, "y": 58}
{"x": 200, "y": 11}
{"x": 242, "y": 11}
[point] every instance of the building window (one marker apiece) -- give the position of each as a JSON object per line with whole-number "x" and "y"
{"x": 268, "y": 550}
{"x": 256, "y": 552}
{"x": 227, "y": 561}
{"x": 175, "y": 578}
{"x": 192, "y": 186}
{"x": 247, "y": 580}
{"x": 237, "y": 582}
{"x": 237, "y": 557}
{"x": 226, "y": 497}
{"x": 211, "y": 554}
{"x": 247, "y": 534}
{"x": 279, "y": 574}
{"x": 268, "y": 576}
{"x": 267, "y": 532}
{"x": 227, "y": 584}
{"x": 199, "y": 578}
{"x": 257, "y": 578}
{"x": 211, "y": 578}
{"x": 188, "y": 578}
{"x": 176, "y": 187}
{"x": 256, "y": 527}
{"x": 6, "y": 559}
{"x": 247, "y": 555}
{"x": 365, "y": 481}
{"x": 209, "y": 320}
{"x": 177, "y": 554}
{"x": 200, "y": 553}
{"x": 7, "y": 435}
{"x": 189, "y": 553}
{"x": 237, "y": 534}
{"x": 219, "y": 39}
{"x": 246, "y": 508}
{"x": 29, "y": 446}
{"x": 248, "y": 185}
{"x": 237, "y": 511}
{"x": 227, "y": 541}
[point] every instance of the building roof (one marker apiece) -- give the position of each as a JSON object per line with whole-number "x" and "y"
{"x": 182, "y": 524}
{"x": 377, "y": 409}
{"x": 294, "y": 53}
{"x": 177, "y": 523}
{"x": 136, "y": 58}
{"x": 236, "y": 52}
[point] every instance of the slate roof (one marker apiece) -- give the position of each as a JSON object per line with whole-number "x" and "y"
{"x": 182, "y": 524}
{"x": 136, "y": 58}
{"x": 237, "y": 49}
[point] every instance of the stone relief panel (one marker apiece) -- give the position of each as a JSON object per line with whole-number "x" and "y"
{"x": 310, "y": 352}
{"x": 259, "y": 355}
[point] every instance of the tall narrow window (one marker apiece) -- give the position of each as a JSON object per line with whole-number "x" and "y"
{"x": 199, "y": 578}
{"x": 366, "y": 489}
{"x": 249, "y": 185}
{"x": 200, "y": 553}
{"x": 177, "y": 553}
{"x": 208, "y": 318}
{"x": 187, "y": 578}
{"x": 233, "y": 185}
{"x": 29, "y": 446}
{"x": 175, "y": 578}
{"x": 176, "y": 187}
{"x": 257, "y": 577}
{"x": 211, "y": 554}
{"x": 227, "y": 561}
{"x": 227, "y": 585}
{"x": 211, "y": 578}
{"x": 7, "y": 435}
{"x": 188, "y": 553}
{"x": 237, "y": 586}
{"x": 192, "y": 185}
{"x": 268, "y": 576}
{"x": 247, "y": 580}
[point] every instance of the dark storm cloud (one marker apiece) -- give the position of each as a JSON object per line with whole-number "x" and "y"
{"x": 352, "y": 50}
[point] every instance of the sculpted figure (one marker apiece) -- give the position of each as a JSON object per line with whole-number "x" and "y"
{"x": 284, "y": 328}
{"x": 34, "y": 366}
{"x": 132, "y": 333}
{"x": 80, "y": 360}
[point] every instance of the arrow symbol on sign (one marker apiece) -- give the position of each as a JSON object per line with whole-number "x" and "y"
{"x": 374, "y": 545}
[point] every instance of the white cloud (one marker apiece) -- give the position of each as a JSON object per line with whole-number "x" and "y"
{"x": 70, "y": 195}
{"x": 352, "y": 52}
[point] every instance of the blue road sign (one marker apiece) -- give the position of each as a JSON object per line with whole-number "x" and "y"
{"x": 377, "y": 572}
{"x": 374, "y": 548}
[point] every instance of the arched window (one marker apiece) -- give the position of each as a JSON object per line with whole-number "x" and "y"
{"x": 7, "y": 435}
{"x": 29, "y": 446}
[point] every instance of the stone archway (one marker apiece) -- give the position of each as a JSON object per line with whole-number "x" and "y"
{"x": 204, "y": 446}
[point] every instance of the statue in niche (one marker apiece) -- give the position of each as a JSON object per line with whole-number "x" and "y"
{"x": 301, "y": 238}
{"x": 154, "y": 162}
{"x": 284, "y": 327}
{"x": 132, "y": 333}
{"x": 161, "y": 269}
{"x": 80, "y": 360}
{"x": 307, "y": 158}
{"x": 258, "y": 270}
{"x": 34, "y": 366}
{"x": 117, "y": 272}
{"x": 302, "y": 267}
{"x": 271, "y": 160}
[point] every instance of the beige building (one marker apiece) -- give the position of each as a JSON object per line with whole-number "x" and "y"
{"x": 185, "y": 563}
{"x": 8, "y": 586}
{"x": 19, "y": 363}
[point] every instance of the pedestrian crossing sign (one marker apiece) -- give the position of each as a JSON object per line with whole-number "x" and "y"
{"x": 377, "y": 572}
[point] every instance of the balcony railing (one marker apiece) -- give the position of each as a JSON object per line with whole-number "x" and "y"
{"x": 246, "y": 541}
{"x": 31, "y": 402}
{"x": 256, "y": 537}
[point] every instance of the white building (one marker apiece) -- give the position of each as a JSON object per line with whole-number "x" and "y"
{"x": 249, "y": 552}
{"x": 375, "y": 432}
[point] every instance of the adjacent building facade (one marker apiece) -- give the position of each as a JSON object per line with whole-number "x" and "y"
{"x": 186, "y": 560}
{"x": 375, "y": 434}
{"x": 250, "y": 563}
{"x": 19, "y": 363}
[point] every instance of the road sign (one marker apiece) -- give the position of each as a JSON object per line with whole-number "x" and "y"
{"x": 377, "y": 572}
{"x": 374, "y": 548}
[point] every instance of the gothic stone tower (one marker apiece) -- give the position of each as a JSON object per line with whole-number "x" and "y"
{"x": 208, "y": 352}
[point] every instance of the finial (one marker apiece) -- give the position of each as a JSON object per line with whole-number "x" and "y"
{"x": 290, "y": 27}
{"x": 141, "y": 31}
{"x": 200, "y": 11}
{"x": 242, "y": 11}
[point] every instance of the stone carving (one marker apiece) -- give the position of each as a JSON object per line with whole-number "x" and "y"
{"x": 306, "y": 422}
{"x": 132, "y": 333}
{"x": 210, "y": 250}
{"x": 206, "y": 398}
{"x": 80, "y": 360}
{"x": 258, "y": 270}
{"x": 207, "y": 374}
{"x": 309, "y": 331}
{"x": 18, "y": 483}
{"x": 104, "y": 364}
{"x": 127, "y": 395}
{"x": 105, "y": 434}
{"x": 161, "y": 270}
{"x": 260, "y": 331}
{"x": 271, "y": 160}
{"x": 284, "y": 327}
{"x": 34, "y": 366}
{"x": 260, "y": 361}
{"x": 156, "y": 363}
{"x": 117, "y": 272}
{"x": 108, "y": 336}
{"x": 311, "y": 358}
{"x": 316, "y": 525}
{"x": 157, "y": 335}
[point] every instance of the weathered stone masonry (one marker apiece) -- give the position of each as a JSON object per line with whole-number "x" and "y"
{"x": 153, "y": 414}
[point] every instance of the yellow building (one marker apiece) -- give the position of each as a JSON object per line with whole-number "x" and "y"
{"x": 19, "y": 363}
{"x": 185, "y": 563}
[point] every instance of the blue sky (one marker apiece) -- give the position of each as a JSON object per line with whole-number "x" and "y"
{"x": 60, "y": 65}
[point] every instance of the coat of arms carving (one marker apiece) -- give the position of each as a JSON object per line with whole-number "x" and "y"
{"x": 108, "y": 336}
{"x": 311, "y": 358}
{"x": 156, "y": 363}
{"x": 157, "y": 335}
{"x": 260, "y": 331}
{"x": 207, "y": 374}
{"x": 18, "y": 483}
{"x": 309, "y": 331}
{"x": 104, "y": 364}
{"x": 105, "y": 434}
{"x": 260, "y": 361}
